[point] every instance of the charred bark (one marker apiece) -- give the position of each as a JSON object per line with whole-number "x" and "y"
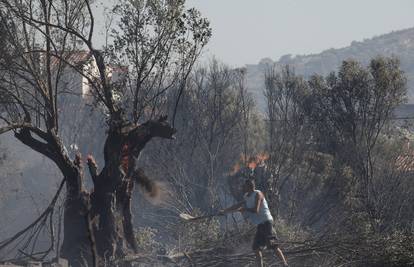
{"x": 77, "y": 246}
{"x": 98, "y": 225}
{"x": 108, "y": 207}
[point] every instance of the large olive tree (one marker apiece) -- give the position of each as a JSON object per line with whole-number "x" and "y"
{"x": 156, "y": 41}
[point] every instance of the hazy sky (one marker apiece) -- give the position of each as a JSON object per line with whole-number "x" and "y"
{"x": 244, "y": 31}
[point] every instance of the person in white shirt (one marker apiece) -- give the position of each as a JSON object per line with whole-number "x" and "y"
{"x": 256, "y": 210}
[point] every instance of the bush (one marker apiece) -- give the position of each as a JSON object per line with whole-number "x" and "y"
{"x": 146, "y": 241}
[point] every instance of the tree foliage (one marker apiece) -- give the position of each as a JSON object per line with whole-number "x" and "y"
{"x": 353, "y": 157}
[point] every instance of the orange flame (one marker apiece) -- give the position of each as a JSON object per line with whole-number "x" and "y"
{"x": 250, "y": 163}
{"x": 236, "y": 169}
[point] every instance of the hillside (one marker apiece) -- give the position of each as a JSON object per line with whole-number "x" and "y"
{"x": 398, "y": 43}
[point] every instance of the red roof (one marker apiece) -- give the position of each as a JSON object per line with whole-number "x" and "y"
{"x": 75, "y": 58}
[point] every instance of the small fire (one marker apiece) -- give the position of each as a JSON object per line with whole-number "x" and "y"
{"x": 251, "y": 162}
{"x": 252, "y": 165}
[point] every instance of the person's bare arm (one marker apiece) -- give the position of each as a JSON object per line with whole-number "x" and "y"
{"x": 234, "y": 208}
{"x": 256, "y": 208}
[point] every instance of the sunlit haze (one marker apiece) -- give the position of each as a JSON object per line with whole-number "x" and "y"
{"x": 244, "y": 31}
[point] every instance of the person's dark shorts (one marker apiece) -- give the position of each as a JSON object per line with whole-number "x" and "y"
{"x": 265, "y": 236}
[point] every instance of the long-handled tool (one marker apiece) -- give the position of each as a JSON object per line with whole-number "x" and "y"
{"x": 189, "y": 217}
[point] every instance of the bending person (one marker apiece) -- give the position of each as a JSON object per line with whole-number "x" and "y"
{"x": 256, "y": 209}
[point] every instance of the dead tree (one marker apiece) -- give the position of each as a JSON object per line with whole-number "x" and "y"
{"x": 213, "y": 107}
{"x": 286, "y": 131}
{"x": 39, "y": 38}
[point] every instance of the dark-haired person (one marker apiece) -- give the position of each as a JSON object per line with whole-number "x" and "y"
{"x": 256, "y": 209}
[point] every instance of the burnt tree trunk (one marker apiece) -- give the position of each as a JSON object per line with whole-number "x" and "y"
{"x": 98, "y": 225}
{"x": 76, "y": 245}
{"x": 108, "y": 208}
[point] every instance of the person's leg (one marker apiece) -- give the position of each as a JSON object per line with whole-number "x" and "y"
{"x": 280, "y": 255}
{"x": 272, "y": 242}
{"x": 258, "y": 244}
{"x": 259, "y": 257}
